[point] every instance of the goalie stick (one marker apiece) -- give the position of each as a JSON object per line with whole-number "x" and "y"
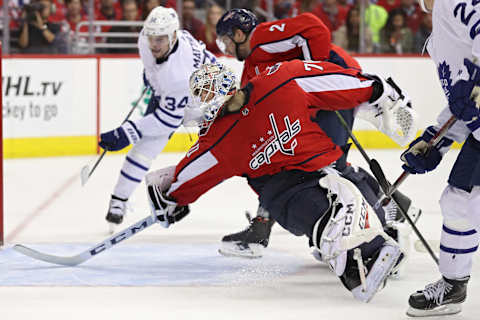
{"x": 91, "y": 252}
{"x": 384, "y": 184}
{"x": 85, "y": 173}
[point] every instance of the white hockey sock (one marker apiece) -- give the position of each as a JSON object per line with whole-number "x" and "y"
{"x": 457, "y": 246}
{"x": 131, "y": 175}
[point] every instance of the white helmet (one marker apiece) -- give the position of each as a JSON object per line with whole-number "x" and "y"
{"x": 162, "y": 22}
{"x": 212, "y": 79}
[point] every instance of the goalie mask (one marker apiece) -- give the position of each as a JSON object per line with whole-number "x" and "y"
{"x": 211, "y": 86}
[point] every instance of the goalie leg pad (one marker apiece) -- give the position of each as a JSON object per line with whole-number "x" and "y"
{"x": 349, "y": 225}
{"x": 377, "y": 274}
{"x": 354, "y": 233}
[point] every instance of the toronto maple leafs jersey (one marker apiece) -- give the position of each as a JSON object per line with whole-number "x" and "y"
{"x": 268, "y": 135}
{"x": 455, "y": 36}
{"x": 169, "y": 81}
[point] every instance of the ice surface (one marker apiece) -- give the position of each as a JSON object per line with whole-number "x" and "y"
{"x": 176, "y": 273}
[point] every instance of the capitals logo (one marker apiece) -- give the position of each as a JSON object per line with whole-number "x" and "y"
{"x": 445, "y": 77}
{"x": 276, "y": 141}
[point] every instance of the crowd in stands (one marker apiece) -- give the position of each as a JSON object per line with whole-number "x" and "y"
{"x": 48, "y": 26}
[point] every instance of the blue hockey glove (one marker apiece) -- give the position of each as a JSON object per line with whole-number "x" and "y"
{"x": 164, "y": 209}
{"x": 462, "y": 97}
{"x": 419, "y": 158}
{"x": 120, "y": 138}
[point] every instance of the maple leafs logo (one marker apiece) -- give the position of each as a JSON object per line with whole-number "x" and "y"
{"x": 445, "y": 77}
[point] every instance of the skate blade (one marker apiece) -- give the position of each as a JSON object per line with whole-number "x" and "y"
{"x": 438, "y": 311}
{"x": 414, "y": 213}
{"x": 233, "y": 249}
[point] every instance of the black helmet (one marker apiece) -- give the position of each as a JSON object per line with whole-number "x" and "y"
{"x": 242, "y": 19}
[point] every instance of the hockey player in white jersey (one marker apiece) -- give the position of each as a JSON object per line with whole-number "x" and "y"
{"x": 455, "y": 48}
{"x": 169, "y": 56}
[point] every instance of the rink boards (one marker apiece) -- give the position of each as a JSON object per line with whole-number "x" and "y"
{"x": 58, "y": 105}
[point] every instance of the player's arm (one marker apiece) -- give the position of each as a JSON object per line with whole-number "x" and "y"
{"x": 172, "y": 189}
{"x": 331, "y": 87}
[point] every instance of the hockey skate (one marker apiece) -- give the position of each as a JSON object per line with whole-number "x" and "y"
{"x": 439, "y": 298}
{"x": 116, "y": 211}
{"x": 392, "y": 209}
{"x": 364, "y": 277}
{"x": 398, "y": 228}
{"x": 250, "y": 242}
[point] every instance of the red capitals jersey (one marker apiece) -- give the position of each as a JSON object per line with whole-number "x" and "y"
{"x": 304, "y": 37}
{"x": 268, "y": 135}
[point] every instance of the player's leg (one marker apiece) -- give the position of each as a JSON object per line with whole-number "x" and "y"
{"x": 135, "y": 167}
{"x": 250, "y": 242}
{"x": 460, "y": 205}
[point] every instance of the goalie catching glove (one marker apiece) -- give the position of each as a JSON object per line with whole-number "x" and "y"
{"x": 390, "y": 111}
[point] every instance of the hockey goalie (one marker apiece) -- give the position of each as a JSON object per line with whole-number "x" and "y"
{"x": 264, "y": 132}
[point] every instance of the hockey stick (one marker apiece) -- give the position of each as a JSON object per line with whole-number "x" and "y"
{"x": 85, "y": 173}
{"x": 432, "y": 143}
{"x": 384, "y": 184}
{"x": 91, "y": 252}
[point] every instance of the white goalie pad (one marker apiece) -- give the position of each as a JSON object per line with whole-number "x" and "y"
{"x": 162, "y": 178}
{"x": 353, "y": 224}
{"x": 391, "y": 114}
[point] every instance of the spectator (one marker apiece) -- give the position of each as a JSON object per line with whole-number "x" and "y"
{"x": 130, "y": 13}
{"x": 37, "y": 34}
{"x": 58, "y": 11}
{"x": 331, "y": 13}
{"x": 423, "y": 32}
{"x": 209, "y": 34}
{"x": 348, "y": 35}
{"x": 307, "y": 5}
{"x": 190, "y": 23}
{"x": 169, "y": 4}
{"x": 14, "y": 12}
{"x": 75, "y": 15}
{"x": 375, "y": 18}
{"x": 389, "y": 4}
{"x": 147, "y": 6}
{"x": 285, "y": 9}
{"x": 109, "y": 10}
{"x": 413, "y": 14}
{"x": 396, "y": 36}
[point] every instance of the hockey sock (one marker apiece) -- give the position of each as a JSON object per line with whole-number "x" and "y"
{"x": 457, "y": 245}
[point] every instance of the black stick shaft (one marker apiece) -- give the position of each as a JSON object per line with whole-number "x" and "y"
{"x": 380, "y": 176}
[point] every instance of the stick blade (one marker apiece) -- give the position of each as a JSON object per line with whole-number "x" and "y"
{"x": 64, "y": 261}
{"x": 84, "y": 175}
